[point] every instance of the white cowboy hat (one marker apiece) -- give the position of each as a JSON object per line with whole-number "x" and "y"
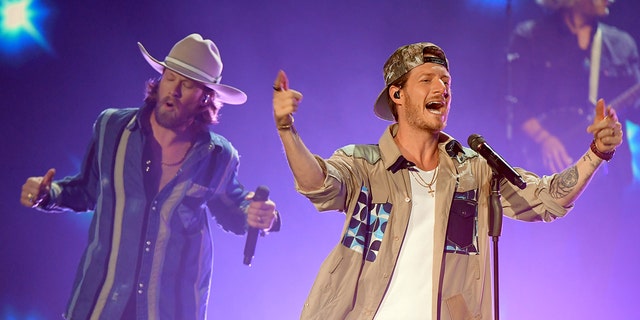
{"x": 197, "y": 59}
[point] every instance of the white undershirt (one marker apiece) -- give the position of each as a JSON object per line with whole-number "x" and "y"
{"x": 410, "y": 291}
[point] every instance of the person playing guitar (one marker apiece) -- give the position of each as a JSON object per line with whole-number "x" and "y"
{"x": 558, "y": 60}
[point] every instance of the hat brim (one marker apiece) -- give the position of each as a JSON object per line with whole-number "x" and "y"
{"x": 224, "y": 93}
{"x": 381, "y": 107}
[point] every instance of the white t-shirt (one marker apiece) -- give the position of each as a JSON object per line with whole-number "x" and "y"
{"x": 409, "y": 293}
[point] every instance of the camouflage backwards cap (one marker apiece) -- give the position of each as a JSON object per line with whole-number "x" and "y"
{"x": 400, "y": 63}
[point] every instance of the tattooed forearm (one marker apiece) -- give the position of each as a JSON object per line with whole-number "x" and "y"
{"x": 587, "y": 158}
{"x": 564, "y": 183}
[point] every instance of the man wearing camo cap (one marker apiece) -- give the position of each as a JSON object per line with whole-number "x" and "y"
{"x": 415, "y": 243}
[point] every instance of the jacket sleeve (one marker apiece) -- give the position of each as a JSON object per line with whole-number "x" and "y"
{"x": 534, "y": 203}
{"x": 341, "y": 180}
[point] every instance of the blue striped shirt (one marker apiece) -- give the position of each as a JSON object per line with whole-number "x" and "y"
{"x": 155, "y": 250}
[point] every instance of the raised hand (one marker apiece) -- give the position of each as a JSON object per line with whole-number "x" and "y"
{"x": 606, "y": 129}
{"x": 285, "y": 102}
{"x": 36, "y": 189}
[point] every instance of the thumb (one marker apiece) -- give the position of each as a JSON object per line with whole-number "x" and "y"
{"x": 48, "y": 178}
{"x": 599, "y": 111}
{"x": 281, "y": 81}
{"x": 599, "y": 116}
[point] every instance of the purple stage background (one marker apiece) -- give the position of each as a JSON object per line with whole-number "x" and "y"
{"x": 333, "y": 52}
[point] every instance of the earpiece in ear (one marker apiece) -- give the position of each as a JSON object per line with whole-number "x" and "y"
{"x": 205, "y": 100}
{"x": 396, "y": 94}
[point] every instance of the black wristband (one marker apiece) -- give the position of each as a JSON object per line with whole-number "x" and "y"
{"x": 606, "y": 156}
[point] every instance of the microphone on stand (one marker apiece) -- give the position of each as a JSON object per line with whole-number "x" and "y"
{"x": 479, "y": 145}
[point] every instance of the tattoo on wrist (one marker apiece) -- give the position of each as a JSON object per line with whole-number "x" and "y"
{"x": 564, "y": 183}
{"x": 587, "y": 158}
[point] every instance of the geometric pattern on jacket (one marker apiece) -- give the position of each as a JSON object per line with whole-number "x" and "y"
{"x": 367, "y": 225}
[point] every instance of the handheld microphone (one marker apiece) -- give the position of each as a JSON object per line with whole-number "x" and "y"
{"x": 262, "y": 194}
{"x": 479, "y": 145}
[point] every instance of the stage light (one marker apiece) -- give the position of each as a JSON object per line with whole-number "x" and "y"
{"x": 9, "y": 313}
{"x": 15, "y": 16}
{"x": 633, "y": 138}
{"x": 491, "y": 3}
{"x": 20, "y": 22}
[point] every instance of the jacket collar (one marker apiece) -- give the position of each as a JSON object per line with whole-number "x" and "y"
{"x": 393, "y": 160}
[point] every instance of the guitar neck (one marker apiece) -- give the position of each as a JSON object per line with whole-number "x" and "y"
{"x": 626, "y": 98}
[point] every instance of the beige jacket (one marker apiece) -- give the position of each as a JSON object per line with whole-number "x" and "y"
{"x": 370, "y": 184}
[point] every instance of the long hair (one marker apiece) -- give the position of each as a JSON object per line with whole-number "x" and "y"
{"x": 212, "y": 105}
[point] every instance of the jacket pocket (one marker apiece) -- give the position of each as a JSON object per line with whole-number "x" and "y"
{"x": 462, "y": 228}
{"x": 335, "y": 264}
{"x": 458, "y": 309}
{"x": 192, "y": 214}
{"x": 191, "y": 209}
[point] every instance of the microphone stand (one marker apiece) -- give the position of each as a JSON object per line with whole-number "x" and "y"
{"x": 495, "y": 207}
{"x": 495, "y": 229}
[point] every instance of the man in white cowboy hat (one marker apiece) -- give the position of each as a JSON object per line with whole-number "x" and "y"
{"x": 153, "y": 175}
{"x": 415, "y": 240}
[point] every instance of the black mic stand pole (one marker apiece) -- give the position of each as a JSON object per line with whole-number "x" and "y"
{"x": 495, "y": 229}
{"x": 495, "y": 207}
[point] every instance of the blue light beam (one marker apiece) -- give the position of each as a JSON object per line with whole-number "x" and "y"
{"x": 19, "y": 23}
{"x": 633, "y": 138}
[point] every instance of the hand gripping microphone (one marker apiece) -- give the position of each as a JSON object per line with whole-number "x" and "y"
{"x": 262, "y": 194}
{"x": 479, "y": 145}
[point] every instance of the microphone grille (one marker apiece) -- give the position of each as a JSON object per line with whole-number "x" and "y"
{"x": 475, "y": 140}
{"x": 262, "y": 194}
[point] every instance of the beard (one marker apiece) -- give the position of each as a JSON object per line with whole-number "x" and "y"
{"x": 170, "y": 118}
{"x": 419, "y": 117}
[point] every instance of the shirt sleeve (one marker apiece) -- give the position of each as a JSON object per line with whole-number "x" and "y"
{"x": 227, "y": 203}
{"x": 79, "y": 192}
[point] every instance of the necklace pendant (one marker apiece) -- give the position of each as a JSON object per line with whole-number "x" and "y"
{"x": 422, "y": 182}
